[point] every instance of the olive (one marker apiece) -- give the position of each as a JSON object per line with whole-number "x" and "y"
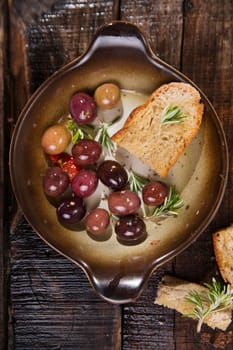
{"x": 55, "y": 181}
{"x": 123, "y": 202}
{"x": 154, "y": 193}
{"x": 107, "y": 95}
{"x": 84, "y": 183}
{"x": 55, "y": 139}
{"x": 112, "y": 174}
{"x": 86, "y": 152}
{"x": 83, "y": 108}
{"x": 130, "y": 229}
{"x": 71, "y": 210}
{"x": 97, "y": 221}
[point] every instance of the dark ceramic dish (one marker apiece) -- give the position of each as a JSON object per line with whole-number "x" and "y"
{"x": 118, "y": 53}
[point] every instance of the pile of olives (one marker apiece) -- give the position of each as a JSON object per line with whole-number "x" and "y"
{"x": 72, "y": 176}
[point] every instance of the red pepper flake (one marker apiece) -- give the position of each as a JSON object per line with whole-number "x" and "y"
{"x": 154, "y": 242}
{"x": 70, "y": 167}
{"x": 66, "y": 162}
{"x": 57, "y": 159}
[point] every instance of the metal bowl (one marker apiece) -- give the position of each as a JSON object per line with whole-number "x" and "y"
{"x": 118, "y": 53}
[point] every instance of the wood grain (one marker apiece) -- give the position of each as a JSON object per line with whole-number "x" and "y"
{"x": 54, "y": 304}
{"x": 4, "y": 178}
{"x": 162, "y": 24}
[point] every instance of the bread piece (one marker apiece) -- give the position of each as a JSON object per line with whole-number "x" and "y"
{"x": 223, "y": 249}
{"x": 159, "y": 146}
{"x": 172, "y": 293}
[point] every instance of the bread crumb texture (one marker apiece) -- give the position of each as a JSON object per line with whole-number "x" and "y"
{"x": 158, "y": 145}
{"x": 223, "y": 249}
{"x": 172, "y": 293}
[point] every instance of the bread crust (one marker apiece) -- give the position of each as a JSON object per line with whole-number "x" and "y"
{"x": 160, "y": 146}
{"x": 223, "y": 249}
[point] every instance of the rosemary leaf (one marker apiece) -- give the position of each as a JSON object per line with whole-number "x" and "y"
{"x": 215, "y": 298}
{"x": 170, "y": 207}
{"x": 114, "y": 121}
{"x": 171, "y": 115}
{"x": 80, "y": 132}
{"x": 104, "y": 139}
{"x": 136, "y": 182}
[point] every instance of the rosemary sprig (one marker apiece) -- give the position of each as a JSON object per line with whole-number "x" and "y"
{"x": 170, "y": 207}
{"x": 171, "y": 115}
{"x": 89, "y": 131}
{"x": 103, "y": 137}
{"x": 80, "y": 132}
{"x": 215, "y": 298}
{"x": 136, "y": 182}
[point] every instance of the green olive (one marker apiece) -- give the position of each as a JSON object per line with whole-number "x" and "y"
{"x": 107, "y": 95}
{"x": 55, "y": 139}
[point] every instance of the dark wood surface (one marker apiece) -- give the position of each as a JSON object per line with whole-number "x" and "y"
{"x": 45, "y": 301}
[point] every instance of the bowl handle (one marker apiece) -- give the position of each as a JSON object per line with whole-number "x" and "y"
{"x": 125, "y": 34}
{"x": 120, "y": 285}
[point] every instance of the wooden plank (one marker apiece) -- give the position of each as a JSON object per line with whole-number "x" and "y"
{"x": 4, "y": 179}
{"x": 148, "y": 326}
{"x": 2, "y": 275}
{"x": 52, "y": 302}
{"x": 161, "y": 22}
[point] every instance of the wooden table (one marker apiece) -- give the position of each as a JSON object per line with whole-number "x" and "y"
{"x": 46, "y": 302}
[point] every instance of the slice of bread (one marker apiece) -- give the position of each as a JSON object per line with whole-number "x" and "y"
{"x": 158, "y": 145}
{"x": 172, "y": 293}
{"x": 223, "y": 249}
